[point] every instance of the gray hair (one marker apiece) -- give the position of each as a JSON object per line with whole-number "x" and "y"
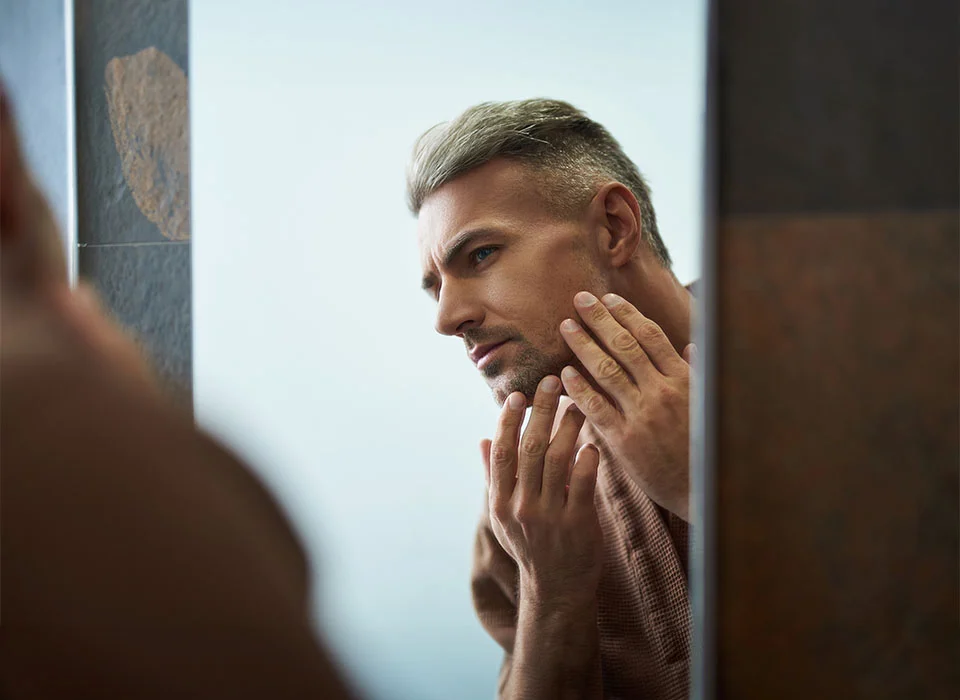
{"x": 575, "y": 153}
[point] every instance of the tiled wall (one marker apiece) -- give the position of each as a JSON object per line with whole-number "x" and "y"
{"x": 133, "y": 192}
{"x": 838, "y": 354}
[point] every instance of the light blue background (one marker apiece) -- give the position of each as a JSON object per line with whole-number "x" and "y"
{"x": 34, "y": 68}
{"x": 314, "y": 351}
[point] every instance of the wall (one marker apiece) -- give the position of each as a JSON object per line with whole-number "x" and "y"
{"x": 314, "y": 349}
{"x": 836, "y": 285}
{"x": 133, "y": 186}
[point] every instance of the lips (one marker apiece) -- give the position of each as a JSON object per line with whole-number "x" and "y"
{"x": 481, "y": 351}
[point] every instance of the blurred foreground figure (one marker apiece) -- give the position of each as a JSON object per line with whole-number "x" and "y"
{"x": 140, "y": 560}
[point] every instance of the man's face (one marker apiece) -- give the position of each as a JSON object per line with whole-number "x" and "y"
{"x": 504, "y": 270}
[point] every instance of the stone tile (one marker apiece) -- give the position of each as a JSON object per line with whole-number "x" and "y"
{"x": 147, "y": 288}
{"x": 154, "y": 133}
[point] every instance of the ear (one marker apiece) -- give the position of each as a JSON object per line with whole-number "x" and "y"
{"x": 619, "y": 222}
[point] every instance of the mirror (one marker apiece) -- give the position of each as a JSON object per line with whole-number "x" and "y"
{"x": 314, "y": 348}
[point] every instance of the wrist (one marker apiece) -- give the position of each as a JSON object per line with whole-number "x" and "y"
{"x": 560, "y": 638}
{"x": 547, "y": 601}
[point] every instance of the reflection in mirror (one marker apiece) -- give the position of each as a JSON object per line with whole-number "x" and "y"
{"x": 357, "y": 158}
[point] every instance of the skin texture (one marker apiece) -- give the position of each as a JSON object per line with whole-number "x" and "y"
{"x": 519, "y": 280}
{"x": 525, "y": 275}
{"x": 542, "y": 513}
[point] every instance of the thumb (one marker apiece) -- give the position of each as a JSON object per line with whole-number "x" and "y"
{"x": 690, "y": 354}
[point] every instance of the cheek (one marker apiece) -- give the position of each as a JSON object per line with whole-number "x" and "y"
{"x": 545, "y": 335}
{"x": 537, "y": 296}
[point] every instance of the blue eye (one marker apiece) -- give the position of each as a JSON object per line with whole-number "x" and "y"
{"x": 480, "y": 254}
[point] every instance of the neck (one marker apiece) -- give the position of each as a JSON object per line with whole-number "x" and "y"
{"x": 661, "y": 297}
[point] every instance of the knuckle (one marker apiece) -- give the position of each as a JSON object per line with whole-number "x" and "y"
{"x": 500, "y": 454}
{"x": 595, "y": 404}
{"x": 500, "y": 511}
{"x": 648, "y": 332}
{"x": 533, "y": 446}
{"x": 667, "y": 392}
{"x": 524, "y": 513}
{"x": 555, "y": 460}
{"x": 598, "y": 312}
{"x": 608, "y": 369}
{"x": 623, "y": 341}
{"x": 542, "y": 402}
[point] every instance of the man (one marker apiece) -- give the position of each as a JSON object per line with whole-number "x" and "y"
{"x": 140, "y": 560}
{"x": 530, "y": 216}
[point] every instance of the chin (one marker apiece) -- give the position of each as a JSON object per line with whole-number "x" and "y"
{"x": 504, "y": 385}
{"x": 522, "y": 373}
{"x": 500, "y": 390}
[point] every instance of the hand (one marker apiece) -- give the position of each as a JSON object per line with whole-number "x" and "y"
{"x": 644, "y": 418}
{"x": 41, "y": 315}
{"x": 549, "y": 528}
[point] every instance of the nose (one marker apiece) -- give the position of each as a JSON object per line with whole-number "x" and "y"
{"x": 458, "y": 311}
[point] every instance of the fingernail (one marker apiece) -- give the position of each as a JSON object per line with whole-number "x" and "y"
{"x": 585, "y": 299}
{"x": 569, "y": 373}
{"x": 610, "y": 300}
{"x": 516, "y": 400}
{"x": 569, "y": 325}
{"x": 551, "y": 384}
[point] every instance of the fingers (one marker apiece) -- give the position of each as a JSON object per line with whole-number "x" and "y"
{"x": 503, "y": 450}
{"x": 562, "y": 406}
{"x": 485, "y": 457}
{"x": 536, "y": 438}
{"x": 32, "y": 248}
{"x": 608, "y": 373}
{"x": 591, "y": 402}
{"x": 556, "y": 463}
{"x": 651, "y": 338}
{"x": 690, "y": 354}
{"x": 583, "y": 479}
{"x": 615, "y": 336}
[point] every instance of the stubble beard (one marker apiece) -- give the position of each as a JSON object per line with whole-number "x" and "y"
{"x": 529, "y": 367}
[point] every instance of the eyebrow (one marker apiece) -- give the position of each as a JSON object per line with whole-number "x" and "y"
{"x": 454, "y": 249}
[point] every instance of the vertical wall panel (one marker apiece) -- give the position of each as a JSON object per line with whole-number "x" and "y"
{"x": 133, "y": 171}
{"x": 837, "y": 344}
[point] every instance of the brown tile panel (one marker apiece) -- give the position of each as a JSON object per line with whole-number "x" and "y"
{"x": 837, "y": 466}
{"x": 838, "y": 105}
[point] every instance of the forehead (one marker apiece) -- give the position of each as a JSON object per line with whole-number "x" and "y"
{"x": 501, "y": 194}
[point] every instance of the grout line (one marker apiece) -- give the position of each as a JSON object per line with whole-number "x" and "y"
{"x": 130, "y": 245}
